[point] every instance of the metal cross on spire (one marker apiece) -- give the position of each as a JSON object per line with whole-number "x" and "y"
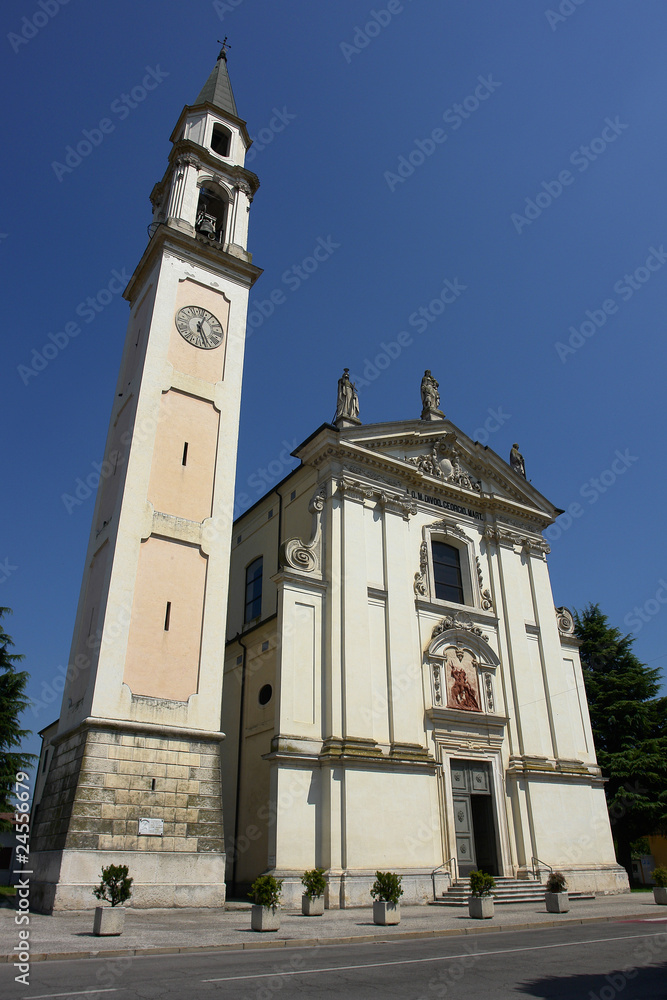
{"x": 223, "y": 50}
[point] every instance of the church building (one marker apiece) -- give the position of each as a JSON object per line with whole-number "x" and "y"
{"x": 364, "y": 671}
{"x": 400, "y": 692}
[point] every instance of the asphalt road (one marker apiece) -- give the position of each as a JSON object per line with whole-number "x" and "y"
{"x": 593, "y": 962}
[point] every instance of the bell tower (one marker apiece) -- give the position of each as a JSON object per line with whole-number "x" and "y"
{"x": 132, "y": 767}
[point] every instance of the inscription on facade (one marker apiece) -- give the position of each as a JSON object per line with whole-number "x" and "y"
{"x": 438, "y": 502}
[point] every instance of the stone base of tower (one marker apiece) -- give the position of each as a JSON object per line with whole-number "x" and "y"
{"x": 104, "y": 779}
{"x": 64, "y": 880}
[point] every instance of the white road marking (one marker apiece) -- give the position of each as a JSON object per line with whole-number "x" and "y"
{"x": 81, "y": 993}
{"x": 420, "y": 961}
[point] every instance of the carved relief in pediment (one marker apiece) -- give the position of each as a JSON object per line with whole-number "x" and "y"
{"x": 443, "y": 462}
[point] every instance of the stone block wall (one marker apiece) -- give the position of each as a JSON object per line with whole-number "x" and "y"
{"x": 101, "y": 782}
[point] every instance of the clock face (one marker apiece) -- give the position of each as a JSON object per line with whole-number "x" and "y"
{"x": 199, "y": 327}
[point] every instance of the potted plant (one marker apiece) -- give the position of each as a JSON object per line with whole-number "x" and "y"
{"x": 386, "y": 892}
{"x": 480, "y": 900}
{"x": 660, "y": 887}
{"x": 556, "y": 896}
{"x": 115, "y": 888}
{"x": 265, "y": 894}
{"x": 312, "y": 901}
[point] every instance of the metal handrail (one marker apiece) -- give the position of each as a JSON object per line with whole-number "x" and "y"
{"x": 445, "y": 864}
{"x": 536, "y": 868}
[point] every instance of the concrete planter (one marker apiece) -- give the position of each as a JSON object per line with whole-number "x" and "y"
{"x": 557, "y": 902}
{"x": 264, "y": 918}
{"x": 480, "y": 907}
{"x": 660, "y": 894}
{"x": 312, "y": 907}
{"x": 386, "y": 914}
{"x": 109, "y": 921}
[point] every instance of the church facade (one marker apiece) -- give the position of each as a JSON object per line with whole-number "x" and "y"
{"x": 400, "y": 691}
{"x": 365, "y": 671}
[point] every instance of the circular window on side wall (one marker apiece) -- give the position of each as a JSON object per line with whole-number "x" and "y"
{"x": 265, "y": 694}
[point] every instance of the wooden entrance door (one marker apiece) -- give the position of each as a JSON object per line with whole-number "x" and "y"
{"x": 474, "y": 825}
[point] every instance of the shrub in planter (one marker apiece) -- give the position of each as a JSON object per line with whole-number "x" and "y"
{"x": 312, "y": 901}
{"x": 556, "y": 897}
{"x": 386, "y": 892}
{"x": 265, "y": 893}
{"x": 115, "y": 888}
{"x": 660, "y": 888}
{"x": 480, "y": 901}
{"x": 556, "y": 882}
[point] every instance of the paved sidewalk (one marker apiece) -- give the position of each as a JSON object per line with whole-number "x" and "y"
{"x": 69, "y": 934}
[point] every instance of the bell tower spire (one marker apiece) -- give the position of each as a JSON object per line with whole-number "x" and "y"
{"x": 217, "y": 90}
{"x": 133, "y": 763}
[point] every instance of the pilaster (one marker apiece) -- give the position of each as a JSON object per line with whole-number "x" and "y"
{"x": 404, "y": 663}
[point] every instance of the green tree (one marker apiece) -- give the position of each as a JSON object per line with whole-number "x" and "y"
{"x": 629, "y": 723}
{"x": 13, "y": 701}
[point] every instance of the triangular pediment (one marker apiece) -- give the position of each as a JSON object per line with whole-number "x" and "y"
{"x": 434, "y": 456}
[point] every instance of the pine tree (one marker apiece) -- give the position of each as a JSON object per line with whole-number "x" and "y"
{"x": 629, "y": 727}
{"x": 13, "y": 701}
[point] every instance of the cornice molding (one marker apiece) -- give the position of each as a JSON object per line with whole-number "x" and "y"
{"x": 335, "y": 448}
{"x": 352, "y": 489}
{"x": 168, "y": 240}
{"x": 508, "y": 539}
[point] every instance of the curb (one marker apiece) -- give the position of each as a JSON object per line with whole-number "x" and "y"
{"x": 320, "y": 942}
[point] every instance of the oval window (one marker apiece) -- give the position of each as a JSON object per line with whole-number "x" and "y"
{"x": 265, "y": 694}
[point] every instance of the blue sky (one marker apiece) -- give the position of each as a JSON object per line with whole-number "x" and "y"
{"x": 541, "y": 198}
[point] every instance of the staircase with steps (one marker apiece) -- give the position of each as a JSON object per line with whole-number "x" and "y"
{"x": 507, "y": 890}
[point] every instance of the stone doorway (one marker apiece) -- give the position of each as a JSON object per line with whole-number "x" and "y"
{"x": 474, "y": 820}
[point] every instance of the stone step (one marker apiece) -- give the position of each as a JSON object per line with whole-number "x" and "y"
{"x": 508, "y": 890}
